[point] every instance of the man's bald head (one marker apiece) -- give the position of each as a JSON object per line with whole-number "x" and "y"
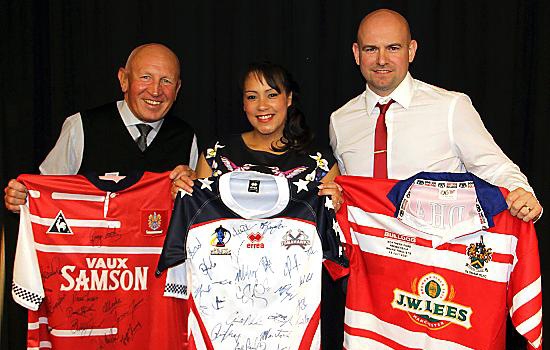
{"x": 153, "y": 49}
{"x": 150, "y": 81}
{"x": 385, "y": 17}
{"x": 384, "y": 50}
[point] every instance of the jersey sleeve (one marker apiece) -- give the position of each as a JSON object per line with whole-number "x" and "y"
{"x": 525, "y": 290}
{"x": 173, "y": 251}
{"x": 27, "y": 289}
{"x": 177, "y": 282}
{"x": 335, "y": 260}
{"x": 341, "y": 229}
{"x": 38, "y": 334}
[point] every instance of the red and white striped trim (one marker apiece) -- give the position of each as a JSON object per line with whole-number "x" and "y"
{"x": 90, "y": 332}
{"x": 76, "y": 223}
{"x": 415, "y": 340}
{"x": 96, "y": 250}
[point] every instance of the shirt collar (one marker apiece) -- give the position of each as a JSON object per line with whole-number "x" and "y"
{"x": 478, "y": 212}
{"x": 130, "y": 119}
{"x": 402, "y": 94}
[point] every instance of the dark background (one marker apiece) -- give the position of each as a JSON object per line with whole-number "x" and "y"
{"x": 60, "y": 57}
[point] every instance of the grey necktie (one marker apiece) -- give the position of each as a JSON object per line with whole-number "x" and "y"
{"x": 144, "y": 130}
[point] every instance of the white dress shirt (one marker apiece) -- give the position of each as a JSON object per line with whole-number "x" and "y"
{"x": 429, "y": 129}
{"x": 65, "y": 157}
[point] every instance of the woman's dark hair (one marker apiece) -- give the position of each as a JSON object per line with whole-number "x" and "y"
{"x": 297, "y": 136}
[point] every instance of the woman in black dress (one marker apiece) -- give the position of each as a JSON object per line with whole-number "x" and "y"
{"x": 280, "y": 141}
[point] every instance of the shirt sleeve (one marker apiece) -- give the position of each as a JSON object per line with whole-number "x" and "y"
{"x": 194, "y": 155}
{"x": 525, "y": 289}
{"x": 173, "y": 250}
{"x": 335, "y": 261}
{"x": 174, "y": 255}
{"x": 27, "y": 289}
{"x": 478, "y": 150}
{"x": 334, "y": 145}
{"x": 66, "y": 156}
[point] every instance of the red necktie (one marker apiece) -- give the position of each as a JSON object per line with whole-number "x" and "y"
{"x": 380, "y": 143}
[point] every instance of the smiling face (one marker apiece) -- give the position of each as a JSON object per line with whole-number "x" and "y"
{"x": 150, "y": 81}
{"x": 265, "y": 107}
{"x": 384, "y": 50}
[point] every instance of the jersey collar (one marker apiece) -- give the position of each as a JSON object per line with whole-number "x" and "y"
{"x": 228, "y": 196}
{"x": 129, "y": 179}
{"x": 489, "y": 197}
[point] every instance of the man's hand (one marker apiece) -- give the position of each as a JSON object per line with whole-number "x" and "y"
{"x": 15, "y": 195}
{"x": 182, "y": 178}
{"x": 523, "y": 205}
{"x": 333, "y": 190}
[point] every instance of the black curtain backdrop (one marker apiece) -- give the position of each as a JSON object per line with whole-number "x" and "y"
{"x": 59, "y": 57}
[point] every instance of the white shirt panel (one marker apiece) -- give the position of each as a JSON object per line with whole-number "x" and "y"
{"x": 429, "y": 129}
{"x": 65, "y": 157}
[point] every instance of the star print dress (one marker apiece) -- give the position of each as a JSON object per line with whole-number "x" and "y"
{"x": 231, "y": 153}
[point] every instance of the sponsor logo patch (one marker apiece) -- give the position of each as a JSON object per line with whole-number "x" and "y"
{"x": 255, "y": 240}
{"x": 104, "y": 273}
{"x": 430, "y": 303}
{"x": 60, "y": 225}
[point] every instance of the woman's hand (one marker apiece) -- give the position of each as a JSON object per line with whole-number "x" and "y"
{"x": 333, "y": 190}
{"x": 182, "y": 178}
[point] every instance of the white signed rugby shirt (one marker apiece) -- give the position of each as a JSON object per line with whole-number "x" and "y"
{"x": 252, "y": 247}
{"x": 85, "y": 263}
{"x": 444, "y": 273}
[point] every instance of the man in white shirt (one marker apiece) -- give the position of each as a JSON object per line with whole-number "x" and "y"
{"x": 150, "y": 82}
{"x": 428, "y": 128}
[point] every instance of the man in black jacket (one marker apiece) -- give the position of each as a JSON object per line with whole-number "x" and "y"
{"x": 137, "y": 133}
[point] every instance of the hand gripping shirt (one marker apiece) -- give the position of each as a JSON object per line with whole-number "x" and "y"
{"x": 85, "y": 260}
{"x": 250, "y": 248}
{"x": 444, "y": 273}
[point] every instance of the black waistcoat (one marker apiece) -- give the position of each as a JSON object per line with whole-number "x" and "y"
{"x": 109, "y": 147}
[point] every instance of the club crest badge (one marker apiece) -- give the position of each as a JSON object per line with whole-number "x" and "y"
{"x": 60, "y": 225}
{"x": 299, "y": 239}
{"x": 153, "y": 222}
{"x": 220, "y": 238}
{"x": 430, "y": 303}
{"x": 479, "y": 256}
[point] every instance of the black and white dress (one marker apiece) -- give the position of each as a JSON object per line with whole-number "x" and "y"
{"x": 231, "y": 153}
